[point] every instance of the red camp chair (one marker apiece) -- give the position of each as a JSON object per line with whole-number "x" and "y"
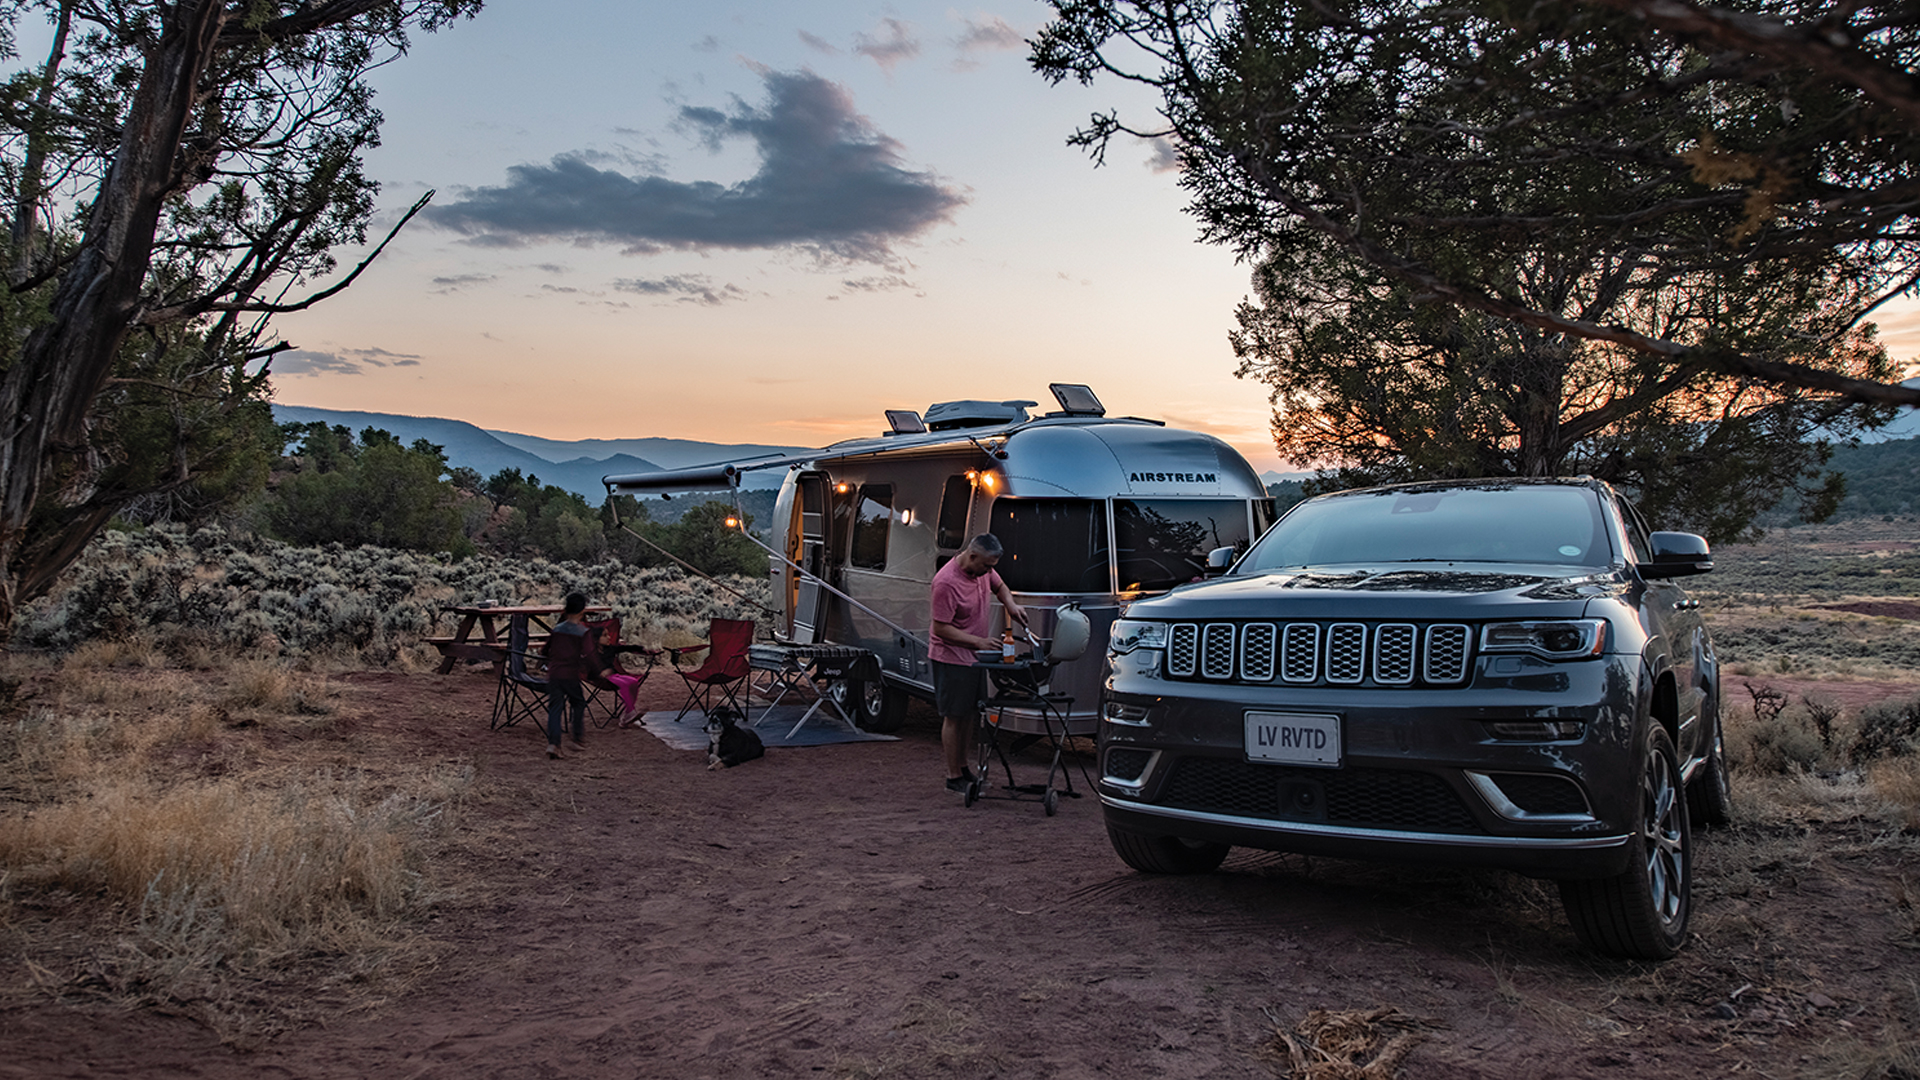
{"x": 607, "y": 634}
{"x": 725, "y": 667}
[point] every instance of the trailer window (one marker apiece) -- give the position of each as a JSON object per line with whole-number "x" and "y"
{"x": 954, "y": 501}
{"x": 1164, "y": 542}
{"x": 870, "y": 523}
{"x": 1052, "y": 545}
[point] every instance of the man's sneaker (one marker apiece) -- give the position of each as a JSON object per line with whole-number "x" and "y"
{"x": 959, "y": 783}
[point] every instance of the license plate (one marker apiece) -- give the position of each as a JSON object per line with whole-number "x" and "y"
{"x": 1294, "y": 738}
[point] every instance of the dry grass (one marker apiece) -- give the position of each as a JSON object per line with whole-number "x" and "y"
{"x": 1794, "y": 758}
{"x": 183, "y": 864}
{"x": 1896, "y": 782}
{"x": 1345, "y": 1044}
{"x": 933, "y": 1038}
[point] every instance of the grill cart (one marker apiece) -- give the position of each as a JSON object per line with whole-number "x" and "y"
{"x": 1022, "y": 684}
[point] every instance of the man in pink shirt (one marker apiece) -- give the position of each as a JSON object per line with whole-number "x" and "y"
{"x": 962, "y": 590}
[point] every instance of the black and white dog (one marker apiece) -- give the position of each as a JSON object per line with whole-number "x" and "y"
{"x": 729, "y": 744}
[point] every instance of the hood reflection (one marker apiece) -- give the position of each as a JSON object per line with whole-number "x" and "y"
{"x": 1459, "y": 581}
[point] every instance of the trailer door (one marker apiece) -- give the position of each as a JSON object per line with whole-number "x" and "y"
{"x": 812, "y": 558}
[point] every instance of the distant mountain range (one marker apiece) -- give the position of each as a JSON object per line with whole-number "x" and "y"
{"x": 578, "y": 466}
{"x": 573, "y": 466}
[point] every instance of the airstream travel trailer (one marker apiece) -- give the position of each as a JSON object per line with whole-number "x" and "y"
{"x": 1092, "y": 510}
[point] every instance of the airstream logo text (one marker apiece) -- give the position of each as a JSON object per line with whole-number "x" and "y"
{"x": 1173, "y": 478}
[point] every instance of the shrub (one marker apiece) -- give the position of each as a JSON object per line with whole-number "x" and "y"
{"x": 1783, "y": 743}
{"x": 1889, "y": 729}
{"x": 196, "y": 594}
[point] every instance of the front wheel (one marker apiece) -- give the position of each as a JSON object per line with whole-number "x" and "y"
{"x": 1643, "y": 912}
{"x": 1164, "y": 854}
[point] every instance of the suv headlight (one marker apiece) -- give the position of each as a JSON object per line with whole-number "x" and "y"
{"x": 1561, "y": 639}
{"x": 1130, "y": 634}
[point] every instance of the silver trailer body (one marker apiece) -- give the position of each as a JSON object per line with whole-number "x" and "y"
{"x": 1091, "y": 510}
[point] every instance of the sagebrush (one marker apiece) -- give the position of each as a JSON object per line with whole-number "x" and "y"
{"x": 241, "y": 594}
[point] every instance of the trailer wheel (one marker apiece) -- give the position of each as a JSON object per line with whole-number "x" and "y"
{"x": 883, "y": 707}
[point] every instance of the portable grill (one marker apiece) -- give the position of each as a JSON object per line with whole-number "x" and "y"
{"x": 1022, "y": 683}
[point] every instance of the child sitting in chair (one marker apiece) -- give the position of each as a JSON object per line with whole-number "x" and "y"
{"x": 625, "y": 685}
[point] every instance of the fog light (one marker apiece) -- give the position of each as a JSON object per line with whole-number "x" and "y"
{"x": 1536, "y": 730}
{"x": 1122, "y": 713}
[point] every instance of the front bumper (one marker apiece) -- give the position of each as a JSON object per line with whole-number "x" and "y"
{"x": 1421, "y": 776}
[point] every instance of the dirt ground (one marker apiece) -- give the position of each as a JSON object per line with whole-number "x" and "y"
{"x": 834, "y": 911}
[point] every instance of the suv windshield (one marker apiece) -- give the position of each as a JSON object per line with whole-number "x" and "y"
{"x": 1507, "y": 523}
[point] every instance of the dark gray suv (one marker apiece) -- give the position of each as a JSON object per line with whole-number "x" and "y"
{"x": 1496, "y": 672}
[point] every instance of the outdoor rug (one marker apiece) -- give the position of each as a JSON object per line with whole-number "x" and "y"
{"x": 771, "y": 725}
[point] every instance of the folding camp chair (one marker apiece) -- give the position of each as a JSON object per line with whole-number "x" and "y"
{"x": 611, "y": 650}
{"x": 724, "y": 670}
{"x": 520, "y": 695}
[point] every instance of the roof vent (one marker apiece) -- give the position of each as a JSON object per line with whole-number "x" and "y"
{"x": 904, "y": 422}
{"x": 1076, "y": 399}
{"x": 947, "y": 415}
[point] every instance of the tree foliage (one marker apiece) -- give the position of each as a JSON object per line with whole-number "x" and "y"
{"x": 1441, "y": 144}
{"x": 367, "y": 491}
{"x": 1504, "y": 239}
{"x": 1380, "y": 389}
{"x": 174, "y": 174}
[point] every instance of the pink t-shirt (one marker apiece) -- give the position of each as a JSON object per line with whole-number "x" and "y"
{"x": 961, "y": 601}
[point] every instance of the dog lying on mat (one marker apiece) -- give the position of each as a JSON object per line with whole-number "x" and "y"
{"x": 729, "y": 744}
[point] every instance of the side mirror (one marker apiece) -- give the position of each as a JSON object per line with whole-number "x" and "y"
{"x": 1676, "y": 554}
{"x": 1218, "y": 560}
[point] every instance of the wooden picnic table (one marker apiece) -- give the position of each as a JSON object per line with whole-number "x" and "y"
{"x": 492, "y": 622}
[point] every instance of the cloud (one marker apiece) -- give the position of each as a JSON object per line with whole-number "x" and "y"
{"x": 898, "y": 45}
{"x": 1163, "y": 154}
{"x": 828, "y": 182}
{"x": 686, "y": 288}
{"x": 460, "y": 281}
{"x": 818, "y": 44}
{"x": 309, "y": 362}
{"x": 989, "y": 33}
{"x": 879, "y": 283}
{"x": 982, "y": 35}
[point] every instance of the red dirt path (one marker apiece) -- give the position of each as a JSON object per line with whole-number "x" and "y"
{"x": 834, "y": 911}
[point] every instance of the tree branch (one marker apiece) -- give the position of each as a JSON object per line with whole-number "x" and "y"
{"x": 1725, "y": 361}
{"x": 170, "y": 313}
{"x": 1826, "y": 50}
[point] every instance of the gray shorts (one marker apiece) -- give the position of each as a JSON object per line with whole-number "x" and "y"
{"x": 957, "y": 690}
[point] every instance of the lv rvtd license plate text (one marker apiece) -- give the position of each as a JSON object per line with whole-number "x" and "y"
{"x": 1294, "y": 738}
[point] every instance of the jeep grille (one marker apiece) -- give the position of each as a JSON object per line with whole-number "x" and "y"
{"x": 1340, "y": 653}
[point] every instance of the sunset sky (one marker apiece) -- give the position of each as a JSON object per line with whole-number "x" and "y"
{"x": 766, "y": 223}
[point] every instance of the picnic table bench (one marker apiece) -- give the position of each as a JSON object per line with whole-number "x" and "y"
{"x": 492, "y": 622}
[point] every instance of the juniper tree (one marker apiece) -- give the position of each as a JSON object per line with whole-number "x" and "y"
{"x": 174, "y": 175}
{"x": 1699, "y": 208}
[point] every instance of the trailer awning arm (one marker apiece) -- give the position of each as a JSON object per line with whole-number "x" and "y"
{"x": 720, "y": 476}
{"x": 817, "y": 580}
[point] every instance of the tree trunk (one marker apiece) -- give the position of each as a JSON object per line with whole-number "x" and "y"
{"x": 1540, "y": 399}
{"x": 65, "y": 363}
